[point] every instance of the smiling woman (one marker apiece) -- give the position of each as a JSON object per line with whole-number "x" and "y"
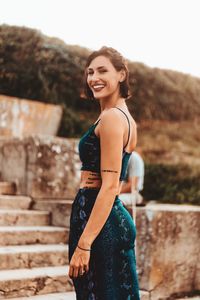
{"x": 101, "y": 68}
{"x": 102, "y": 232}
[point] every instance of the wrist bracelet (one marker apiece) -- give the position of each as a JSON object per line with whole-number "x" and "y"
{"x": 83, "y": 248}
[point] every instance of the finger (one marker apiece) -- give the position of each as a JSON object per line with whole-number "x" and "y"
{"x": 81, "y": 271}
{"x": 75, "y": 272}
{"x": 86, "y": 268}
{"x": 70, "y": 271}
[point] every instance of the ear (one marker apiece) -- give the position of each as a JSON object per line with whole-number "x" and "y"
{"x": 122, "y": 76}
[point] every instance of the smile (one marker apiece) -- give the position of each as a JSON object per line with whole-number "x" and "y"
{"x": 98, "y": 87}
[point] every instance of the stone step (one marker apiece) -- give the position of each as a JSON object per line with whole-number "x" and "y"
{"x": 8, "y": 188}
{"x": 70, "y": 296}
{"x": 54, "y": 296}
{"x": 60, "y": 210}
{"x": 16, "y": 235}
{"x": 20, "y": 217}
{"x": 33, "y": 256}
{"x": 17, "y": 202}
{"x": 189, "y": 298}
{"x": 29, "y": 282}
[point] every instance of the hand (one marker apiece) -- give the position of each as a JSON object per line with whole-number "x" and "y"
{"x": 79, "y": 263}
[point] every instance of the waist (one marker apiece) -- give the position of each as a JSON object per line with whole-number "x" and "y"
{"x": 90, "y": 179}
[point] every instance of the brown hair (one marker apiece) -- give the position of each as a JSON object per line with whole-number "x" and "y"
{"x": 119, "y": 64}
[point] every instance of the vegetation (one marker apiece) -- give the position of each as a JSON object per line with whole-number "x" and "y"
{"x": 165, "y": 104}
{"x": 171, "y": 184}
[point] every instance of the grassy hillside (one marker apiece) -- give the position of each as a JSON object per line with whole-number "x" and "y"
{"x": 165, "y": 104}
{"x": 170, "y": 142}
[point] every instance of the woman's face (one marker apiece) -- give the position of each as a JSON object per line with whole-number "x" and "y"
{"x": 102, "y": 77}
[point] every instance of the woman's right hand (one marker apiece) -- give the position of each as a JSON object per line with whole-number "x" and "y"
{"x": 79, "y": 264}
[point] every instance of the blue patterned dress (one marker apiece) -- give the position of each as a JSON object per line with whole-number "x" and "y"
{"x": 112, "y": 269}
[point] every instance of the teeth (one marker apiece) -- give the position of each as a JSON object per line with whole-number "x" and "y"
{"x": 98, "y": 86}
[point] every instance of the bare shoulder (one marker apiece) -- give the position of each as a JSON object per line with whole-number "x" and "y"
{"x": 112, "y": 119}
{"x": 111, "y": 114}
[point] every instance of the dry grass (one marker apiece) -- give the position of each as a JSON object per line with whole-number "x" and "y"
{"x": 171, "y": 142}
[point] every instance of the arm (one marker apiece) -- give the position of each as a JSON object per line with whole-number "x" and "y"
{"x": 111, "y": 142}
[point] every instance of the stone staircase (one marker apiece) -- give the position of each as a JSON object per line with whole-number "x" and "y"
{"x": 33, "y": 253}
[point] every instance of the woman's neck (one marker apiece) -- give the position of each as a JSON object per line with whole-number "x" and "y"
{"x": 106, "y": 104}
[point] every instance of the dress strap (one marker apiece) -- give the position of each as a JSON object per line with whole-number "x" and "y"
{"x": 128, "y": 125}
{"x": 96, "y": 122}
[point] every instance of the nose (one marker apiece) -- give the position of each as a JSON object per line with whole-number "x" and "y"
{"x": 93, "y": 77}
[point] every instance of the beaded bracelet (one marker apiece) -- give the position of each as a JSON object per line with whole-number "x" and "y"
{"x": 83, "y": 248}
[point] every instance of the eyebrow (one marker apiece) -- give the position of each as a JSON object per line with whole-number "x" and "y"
{"x": 100, "y": 67}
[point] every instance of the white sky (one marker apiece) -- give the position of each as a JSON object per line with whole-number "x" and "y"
{"x": 159, "y": 33}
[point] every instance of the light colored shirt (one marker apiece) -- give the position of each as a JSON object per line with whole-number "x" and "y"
{"x": 136, "y": 168}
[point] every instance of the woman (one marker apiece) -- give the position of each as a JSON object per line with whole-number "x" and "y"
{"x": 102, "y": 233}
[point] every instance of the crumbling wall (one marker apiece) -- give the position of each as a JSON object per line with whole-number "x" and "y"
{"x": 41, "y": 166}
{"x": 168, "y": 249}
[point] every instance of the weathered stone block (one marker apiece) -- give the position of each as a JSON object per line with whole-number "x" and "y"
{"x": 53, "y": 167}
{"x": 168, "y": 249}
{"x": 33, "y": 256}
{"x": 70, "y": 296}
{"x": 15, "y": 202}
{"x": 41, "y": 166}
{"x": 54, "y": 296}
{"x": 13, "y": 160}
{"x": 60, "y": 210}
{"x": 34, "y": 281}
{"x": 7, "y": 188}
{"x": 16, "y": 235}
{"x": 20, "y": 217}
{"x": 20, "y": 117}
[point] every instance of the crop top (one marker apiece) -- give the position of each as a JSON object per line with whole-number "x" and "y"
{"x": 90, "y": 152}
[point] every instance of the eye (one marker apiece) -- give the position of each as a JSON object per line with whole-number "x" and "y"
{"x": 102, "y": 71}
{"x": 90, "y": 72}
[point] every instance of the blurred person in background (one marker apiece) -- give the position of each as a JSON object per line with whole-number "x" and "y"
{"x": 134, "y": 181}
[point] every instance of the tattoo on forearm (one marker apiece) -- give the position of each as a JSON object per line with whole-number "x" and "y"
{"x": 110, "y": 171}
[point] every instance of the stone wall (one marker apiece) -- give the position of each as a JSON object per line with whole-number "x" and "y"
{"x": 20, "y": 117}
{"x": 168, "y": 248}
{"x": 41, "y": 166}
